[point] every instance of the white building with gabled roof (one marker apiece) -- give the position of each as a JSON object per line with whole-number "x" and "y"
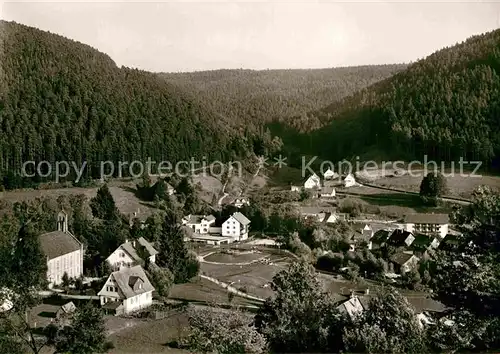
{"x": 312, "y": 182}
{"x": 236, "y": 226}
{"x": 126, "y": 291}
{"x": 349, "y": 181}
{"x": 200, "y": 224}
{"x": 63, "y": 251}
{"x": 329, "y": 174}
{"x": 132, "y": 253}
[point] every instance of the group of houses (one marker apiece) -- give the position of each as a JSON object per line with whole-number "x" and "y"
{"x": 325, "y": 188}
{"x": 427, "y": 310}
{"x": 414, "y": 237}
{"x": 126, "y": 289}
{"x": 204, "y": 228}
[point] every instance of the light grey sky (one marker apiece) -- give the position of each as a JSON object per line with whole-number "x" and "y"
{"x": 202, "y": 35}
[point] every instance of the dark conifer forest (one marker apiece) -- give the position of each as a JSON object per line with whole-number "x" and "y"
{"x": 257, "y": 97}
{"x": 446, "y": 106}
{"x": 61, "y": 100}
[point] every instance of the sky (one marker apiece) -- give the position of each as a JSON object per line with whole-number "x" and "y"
{"x": 172, "y": 36}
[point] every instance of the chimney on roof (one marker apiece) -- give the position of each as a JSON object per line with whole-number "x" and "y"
{"x": 352, "y": 294}
{"x": 133, "y": 243}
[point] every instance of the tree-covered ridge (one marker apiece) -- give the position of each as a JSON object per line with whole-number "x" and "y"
{"x": 63, "y": 100}
{"x": 256, "y": 97}
{"x": 446, "y": 106}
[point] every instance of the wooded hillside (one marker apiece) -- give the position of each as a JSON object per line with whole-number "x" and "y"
{"x": 446, "y": 106}
{"x": 63, "y": 100}
{"x": 253, "y": 97}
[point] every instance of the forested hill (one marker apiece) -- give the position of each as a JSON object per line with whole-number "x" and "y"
{"x": 63, "y": 100}
{"x": 446, "y": 106}
{"x": 256, "y": 97}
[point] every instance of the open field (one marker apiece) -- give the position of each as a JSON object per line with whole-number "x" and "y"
{"x": 250, "y": 278}
{"x": 151, "y": 336}
{"x": 459, "y": 186}
{"x": 125, "y": 199}
{"x": 210, "y": 186}
{"x": 202, "y": 290}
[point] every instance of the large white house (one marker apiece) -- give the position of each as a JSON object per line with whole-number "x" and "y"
{"x": 200, "y": 224}
{"x": 236, "y": 226}
{"x": 427, "y": 224}
{"x": 312, "y": 182}
{"x": 63, "y": 251}
{"x": 132, "y": 253}
{"x": 126, "y": 291}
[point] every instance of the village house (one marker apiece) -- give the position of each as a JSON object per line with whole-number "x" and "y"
{"x": 327, "y": 192}
{"x": 132, "y": 253}
{"x": 329, "y": 175}
{"x": 240, "y": 202}
{"x": 349, "y": 181}
{"x": 63, "y": 251}
{"x": 65, "y": 313}
{"x": 424, "y": 243}
{"x": 379, "y": 239}
{"x": 329, "y": 218}
{"x": 318, "y": 214}
{"x": 404, "y": 262}
{"x": 170, "y": 189}
{"x": 352, "y": 307}
{"x": 428, "y": 224}
{"x": 126, "y": 291}
{"x": 236, "y": 226}
{"x": 362, "y": 233}
{"x": 450, "y": 243}
{"x": 200, "y": 224}
{"x": 6, "y": 297}
{"x": 312, "y": 182}
{"x": 400, "y": 238}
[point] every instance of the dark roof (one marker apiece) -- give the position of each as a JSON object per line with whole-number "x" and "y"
{"x": 398, "y": 237}
{"x": 422, "y": 241}
{"x": 57, "y": 243}
{"x": 418, "y": 302}
{"x": 427, "y": 219}
{"x": 450, "y": 242}
{"x": 380, "y": 236}
{"x": 401, "y": 258}
{"x": 132, "y": 250}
